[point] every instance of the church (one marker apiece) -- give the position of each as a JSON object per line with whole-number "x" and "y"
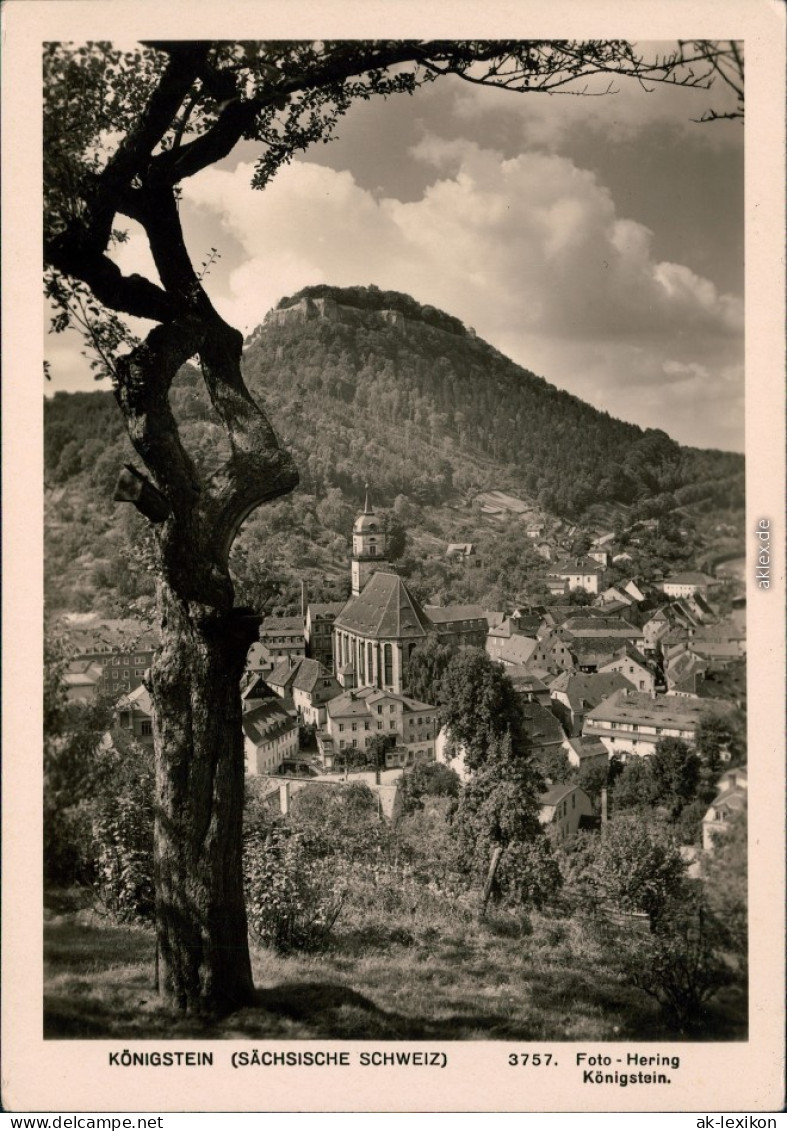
{"x": 382, "y": 624}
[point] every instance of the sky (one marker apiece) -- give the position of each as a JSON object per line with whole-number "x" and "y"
{"x": 597, "y": 241}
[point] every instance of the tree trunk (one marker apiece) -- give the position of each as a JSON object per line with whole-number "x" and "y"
{"x": 490, "y": 879}
{"x": 200, "y": 912}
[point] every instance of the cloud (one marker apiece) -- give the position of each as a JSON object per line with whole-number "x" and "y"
{"x": 529, "y": 250}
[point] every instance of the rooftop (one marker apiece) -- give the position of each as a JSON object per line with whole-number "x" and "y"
{"x": 385, "y": 609}
{"x": 664, "y": 711}
{"x": 445, "y": 614}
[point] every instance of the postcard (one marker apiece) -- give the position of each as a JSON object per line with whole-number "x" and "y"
{"x": 394, "y": 579}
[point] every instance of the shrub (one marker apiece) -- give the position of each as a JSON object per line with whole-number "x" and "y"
{"x": 122, "y": 828}
{"x": 679, "y": 963}
{"x": 292, "y": 899}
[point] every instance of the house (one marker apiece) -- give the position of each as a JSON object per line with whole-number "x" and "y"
{"x": 600, "y": 555}
{"x": 254, "y": 691}
{"x": 723, "y": 641}
{"x": 592, "y": 655}
{"x": 686, "y": 584}
{"x": 574, "y": 694}
{"x": 613, "y": 597}
{"x": 562, "y": 808}
{"x": 355, "y": 717}
{"x": 283, "y": 636}
{"x": 583, "y": 752}
{"x": 683, "y": 672}
{"x": 574, "y": 573}
{"x": 728, "y": 802}
{"x": 308, "y": 684}
{"x": 270, "y": 735}
{"x": 633, "y": 590}
{"x": 82, "y": 680}
{"x": 528, "y": 686}
{"x": 320, "y": 617}
{"x": 259, "y": 660}
{"x": 458, "y": 625}
{"x": 640, "y": 673}
{"x": 525, "y": 623}
{"x": 510, "y": 649}
{"x": 553, "y": 653}
{"x": 600, "y": 627}
{"x": 632, "y": 722}
{"x": 134, "y": 714}
{"x": 541, "y": 727}
{"x": 655, "y": 629}
{"x": 123, "y": 647}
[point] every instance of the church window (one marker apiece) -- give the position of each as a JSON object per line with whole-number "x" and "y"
{"x": 388, "y": 658}
{"x": 370, "y": 661}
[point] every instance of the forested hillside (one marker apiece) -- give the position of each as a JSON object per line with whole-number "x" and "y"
{"x": 366, "y": 386}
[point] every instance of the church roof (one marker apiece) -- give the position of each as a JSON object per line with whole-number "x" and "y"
{"x": 385, "y": 609}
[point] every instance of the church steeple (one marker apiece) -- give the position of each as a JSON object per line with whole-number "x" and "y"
{"x": 369, "y": 546}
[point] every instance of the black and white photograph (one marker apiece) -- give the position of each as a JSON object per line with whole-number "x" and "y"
{"x": 407, "y": 609}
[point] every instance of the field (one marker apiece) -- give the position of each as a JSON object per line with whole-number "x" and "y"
{"x": 430, "y": 976}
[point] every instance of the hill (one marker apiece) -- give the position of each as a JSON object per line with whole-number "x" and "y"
{"x": 369, "y": 386}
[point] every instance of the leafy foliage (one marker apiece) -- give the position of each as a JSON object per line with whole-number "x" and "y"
{"x": 122, "y": 827}
{"x": 480, "y": 708}
{"x": 629, "y": 867}
{"x": 680, "y": 963}
{"x": 292, "y": 899}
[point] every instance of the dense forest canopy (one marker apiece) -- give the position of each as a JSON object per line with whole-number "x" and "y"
{"x": 421, "y": 409}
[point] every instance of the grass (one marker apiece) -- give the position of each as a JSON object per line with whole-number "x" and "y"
{"x": 437, "y": 976}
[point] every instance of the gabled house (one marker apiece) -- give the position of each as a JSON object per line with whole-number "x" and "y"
{"x": 542, "y": 728}
{"x": 655, "y": 629}
{"x": 562, "y": 808}
{"x": 640, "y": 672}
{"x": 575, "y": 694}
{"x": 82, "y": 680}
{"x": 731, "y": 799}
{"x": 583, "y": 752}
{"x": 134, "y": 714}
{"x": 510, "y": 649}
{"x": 270, "y": 736}
{"x": 308, "y": 684}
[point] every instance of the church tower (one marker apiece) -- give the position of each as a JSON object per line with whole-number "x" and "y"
{"x": 369, "y": 547}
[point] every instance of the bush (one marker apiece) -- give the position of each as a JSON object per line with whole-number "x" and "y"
{"x": 122, "y": 828}
{"x": 292, "y": 899}
{"x": 679, "y": 964}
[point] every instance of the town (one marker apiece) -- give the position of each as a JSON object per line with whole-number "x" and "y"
{"x": 603, "y": 673}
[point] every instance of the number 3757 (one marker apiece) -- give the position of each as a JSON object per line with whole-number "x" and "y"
{"x": 532, "y": 1059}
